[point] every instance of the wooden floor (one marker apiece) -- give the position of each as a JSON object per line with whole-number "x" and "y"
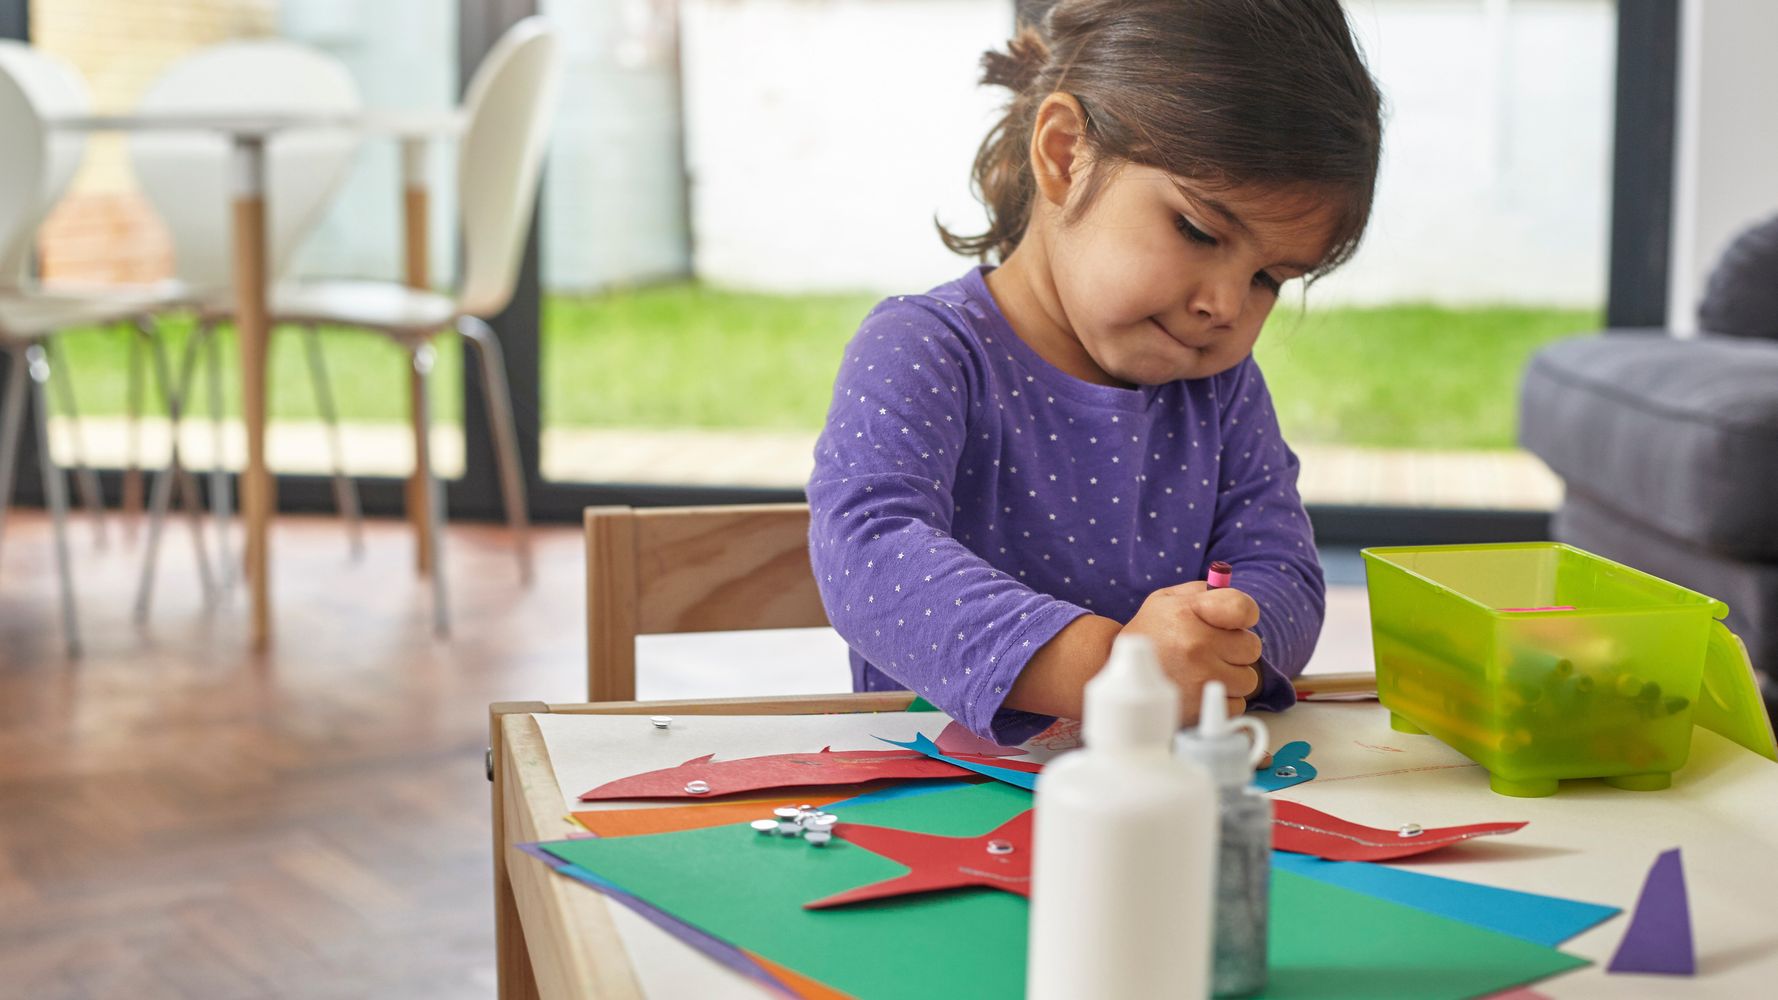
{"x": 179, "y": 818}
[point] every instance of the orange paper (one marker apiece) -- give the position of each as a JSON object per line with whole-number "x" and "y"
{"x": 796, "y": 982}
{"x": 668, "y": 819}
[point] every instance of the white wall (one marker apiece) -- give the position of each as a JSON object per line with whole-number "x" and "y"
{"x": 1726, "y": 148}
{"x": 823, "y": 137}
{"x": 1496, "y": 175}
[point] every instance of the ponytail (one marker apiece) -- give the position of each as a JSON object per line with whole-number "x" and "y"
{"x": 1002, "y": 176}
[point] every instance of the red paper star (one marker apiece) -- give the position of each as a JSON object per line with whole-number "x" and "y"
{"x": 998, "y": 859}
{"x": 1302, "y": 830}
{"x": 706, "y": 777}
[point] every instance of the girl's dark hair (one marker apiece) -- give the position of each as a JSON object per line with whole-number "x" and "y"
{"x": 1224, "y": 93}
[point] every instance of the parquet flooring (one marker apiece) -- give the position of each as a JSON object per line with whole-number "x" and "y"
{"x": 179, "y": 818}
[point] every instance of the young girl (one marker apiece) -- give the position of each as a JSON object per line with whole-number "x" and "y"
{"x": 1024, "y": 462}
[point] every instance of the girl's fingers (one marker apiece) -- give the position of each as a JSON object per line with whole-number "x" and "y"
{"x": 1242, "y": 648}
{"x": 1238, "y": 679}
{"x": 1225, "y": 608}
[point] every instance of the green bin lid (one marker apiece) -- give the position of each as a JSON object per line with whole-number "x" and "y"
{"x": 1729, "y": 701}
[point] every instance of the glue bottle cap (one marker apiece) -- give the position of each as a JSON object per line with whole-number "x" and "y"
{"x": 1218, "y": 742}
{"x": 1130, "y": 703}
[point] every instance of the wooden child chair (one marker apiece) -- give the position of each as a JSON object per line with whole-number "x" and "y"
{"x": 690, "y": 569}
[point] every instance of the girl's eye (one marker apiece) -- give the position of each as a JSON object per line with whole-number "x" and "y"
{"x": 1195, "y": 234}
{"x": 1267, "y": 282}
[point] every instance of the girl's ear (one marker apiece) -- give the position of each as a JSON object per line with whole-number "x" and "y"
{"x": 1058, "y": 149}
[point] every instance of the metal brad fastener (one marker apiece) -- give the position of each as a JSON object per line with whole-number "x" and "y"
{"x": 697, "y": 788}
{"x": 1000, "y": 847}
{"x": 661, "y": 721}
{"x": 1285, "y": 772}
{"x": 1409, "y": 830}
{"x": 789, "y": 820}
{"x": 764, "y": 825}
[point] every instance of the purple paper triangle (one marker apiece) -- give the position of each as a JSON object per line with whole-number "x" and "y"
{"x": 1660, "y": 935}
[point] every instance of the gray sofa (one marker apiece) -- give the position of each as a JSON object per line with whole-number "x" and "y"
{"x": 1669, "y": 447}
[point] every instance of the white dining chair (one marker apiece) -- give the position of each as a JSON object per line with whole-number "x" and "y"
{"x": 30, "y": 318}
{"x": 55, "y": 88}
{"x": 185, "y": 177}
{"x": 506, "y": 115}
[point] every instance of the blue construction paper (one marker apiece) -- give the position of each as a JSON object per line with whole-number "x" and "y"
{"x": 1660, "y": 934}
{"x": 904, "y": 790}
{"x": 921, "y": 743}
{"x": 1294, "y": 754}
{"x": 1545, "y": 920}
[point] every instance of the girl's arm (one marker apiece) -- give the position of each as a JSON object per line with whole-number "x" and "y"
{"x": 1262, "y": 530}
{"x": 907, "y": 596}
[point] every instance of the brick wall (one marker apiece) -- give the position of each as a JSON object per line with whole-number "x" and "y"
{"x": 103, "y": 231}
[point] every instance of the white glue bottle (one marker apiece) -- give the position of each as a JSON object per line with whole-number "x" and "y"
{"x": 1122, "y": 880}
{"x": 1244, "y": 842}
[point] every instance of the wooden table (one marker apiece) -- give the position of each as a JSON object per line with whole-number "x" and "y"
{"x": 248, "y": 135}
{"x": 557, "y": 938}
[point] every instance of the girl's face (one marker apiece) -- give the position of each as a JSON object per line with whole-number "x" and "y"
{"x": 1161, "y": 279}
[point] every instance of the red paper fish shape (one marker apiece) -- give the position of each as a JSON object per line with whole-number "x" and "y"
{"x": 705, "y": 777}
{"x": 1302, "y": 830}
{"x": 998, "y": 859}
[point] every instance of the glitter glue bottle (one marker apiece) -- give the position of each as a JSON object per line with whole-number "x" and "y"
{"x": 1125, "y": 838}
{"x": 1244, "y": 841}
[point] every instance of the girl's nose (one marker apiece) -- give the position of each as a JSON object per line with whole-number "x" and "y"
{"x": 1219, "y": 301}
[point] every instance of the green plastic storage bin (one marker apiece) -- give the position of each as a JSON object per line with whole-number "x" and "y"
{"x": 1606, "y": 686}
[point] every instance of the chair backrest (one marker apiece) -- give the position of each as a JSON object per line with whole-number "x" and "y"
{"x": 189, "y": 178}
{"x": 22, "y": 156}
{"x": 690, "y": 569}
{"x": 54, "y": 88}
{"x": 507, "y": 110}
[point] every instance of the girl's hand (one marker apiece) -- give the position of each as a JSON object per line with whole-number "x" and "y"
{"x": 1203, "y": 635}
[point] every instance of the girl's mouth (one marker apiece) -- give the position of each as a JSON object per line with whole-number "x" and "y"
{"x": 1169, "y": 334}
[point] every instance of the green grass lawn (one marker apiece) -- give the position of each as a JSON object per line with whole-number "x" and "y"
{"x": 689, "y": 356}
{"x": 1407, "y": 376}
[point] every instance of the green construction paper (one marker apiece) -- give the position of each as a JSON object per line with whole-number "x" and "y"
{"x": 920, "y": 704}
{"x": 1342, "y": 944}
{"x": 748, "y": 889}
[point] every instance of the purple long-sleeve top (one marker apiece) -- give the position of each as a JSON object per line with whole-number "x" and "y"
{"x": 969, "y": 500}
